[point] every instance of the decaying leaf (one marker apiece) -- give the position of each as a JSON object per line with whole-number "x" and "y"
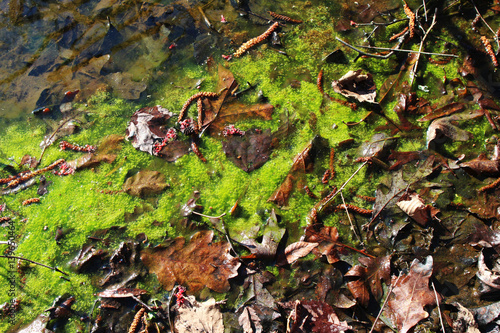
{"x": 410, "y": 294}
{"x": 249, "y": 151}
{"x": 369, "y": 276}
{"x": 145, "y": 182}
{"x": 413, "y": 205}
{"x": 314, "y": 316}
{"x": 356, "y": 85}
{"x": 487, "y": 317}
{"x": 264, "y": 250}
{"x": 298, "y": 250}
{"x": 465, "y": 321}
{"x": 199, "y": 317}
{"x": 249, "y": 321}
{"x": 197, "y": 264}
{"x": 482, "y": 166}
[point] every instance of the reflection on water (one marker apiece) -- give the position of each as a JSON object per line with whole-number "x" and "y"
{"x": 52, "y": 47}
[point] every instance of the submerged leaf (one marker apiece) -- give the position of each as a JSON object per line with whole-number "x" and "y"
{"x": 249, "y": 151}
{"x": 445, "y": 127}
{"x": 198, "y": 264}
{"x": 145, "y": 182}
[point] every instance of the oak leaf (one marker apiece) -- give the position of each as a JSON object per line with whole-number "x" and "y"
{"x": 314, "y": 316}
{"x": 410, "y": 294}
{"x": 368, "y": 278}
{"x": 196, "y": 265}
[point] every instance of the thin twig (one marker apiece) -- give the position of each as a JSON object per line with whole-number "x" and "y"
{"x": 439, "y": 309}
{"x": 413, "y": 72}
{"x": 208, "y": 216}
{"x": 408, "y": 51}
{"x": 36, "y": 263}
{"x": 350, "y": 220}
{"x": 361, "y": 52}
{"x": 425, "y": 11}
{"x": 383, "y": 305}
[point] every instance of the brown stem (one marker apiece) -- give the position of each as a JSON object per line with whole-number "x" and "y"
{"x": 36, "y": 263}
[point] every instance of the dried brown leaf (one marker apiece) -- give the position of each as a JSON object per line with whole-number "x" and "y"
{"x": 198, "y": 264}
{"x": 199, "y": 317}
{"x": 327, "y": 238}
{"x": 249, "y": 321}
{"x": 410, "y": 294}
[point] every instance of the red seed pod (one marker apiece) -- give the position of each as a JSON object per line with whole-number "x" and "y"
{"x": 361, "y": 211}
{"x": 319, "y": 82}
{"x": 254, "y": 41}
{"x": 196, "y": 150}
{"x": 30, "y": 201}
{"x": 489, "y": 50}
{"x": 366, "y": 198}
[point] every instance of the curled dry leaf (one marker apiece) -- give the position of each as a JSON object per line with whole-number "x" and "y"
{"x": 410, "y": 294}
{"x": 199, "y": 317}
{"x": 413, "y": 205}
{"x": 446, "y": 127}
{"x": 482, "y": 166}
{"x": 249, "y": 321}
{"x": 198, "y": 264}
{"x": 369, "y": 276}
{"x": 298, "y": 250}
{"x": 356, "y": 85}
{"x": 488, "y": 271}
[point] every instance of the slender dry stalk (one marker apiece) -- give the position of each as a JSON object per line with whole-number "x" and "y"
{"x": 254, "y": 41}
{"x": 413, "y": 72}
{"x": 439, "y": 309}
{"x": 350, "y": 220}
